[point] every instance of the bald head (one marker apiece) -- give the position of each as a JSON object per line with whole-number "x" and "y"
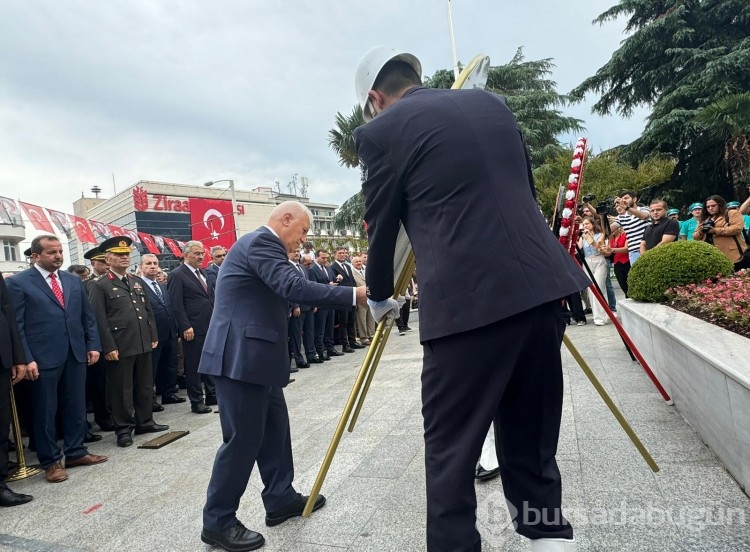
{"x": 291, "y": 221}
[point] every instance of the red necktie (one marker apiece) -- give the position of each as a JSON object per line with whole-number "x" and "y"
{"x": 56, "y": 289}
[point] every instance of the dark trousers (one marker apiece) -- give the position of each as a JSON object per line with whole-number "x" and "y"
{"x": 295, "y": 338}
{"x": 254, "y": 428}
{"x": 130, "y": 392}
{"x": 576, "y": 307}
{"x": 71, "y": 380}
{"x": 195, "y": 381}
{"x": 324, "y": 330}
{"x": 96, "y": 390}
{"x": 403, "y": 319}
{"x": 345, "y": 320}
{"x": 308, "y": 332}
{"x": 621, "y": 273}
{"x": 4, "y": 422}
{"x": 516, "y": 381}
{"x": 164, "y": 363}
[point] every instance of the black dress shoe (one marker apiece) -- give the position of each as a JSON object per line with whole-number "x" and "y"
{"x": 9, "y": 498}
{"x": 156, "y": 428}
{"x": 200, "y": 408}
{"x": 303, "y": 364}
{"x": 156, "y": 407}
{"x": 348, "y": 350}
{"x": 106, "y": 425}
{"x": 325, "y": 356}
{"x": 356, "y": 346}
{"x": 124, "y": 440}
{"x": 294, "y": 509}
{"x": 236, "y": 539}
{"x": 211, "y": 400}
{"x": 486, "y": 475}
{"x": 92, "y": 438}
{"x": 171, "y": 398}
{"x": 334, "y": 352}
{"x": 314, "y": 360}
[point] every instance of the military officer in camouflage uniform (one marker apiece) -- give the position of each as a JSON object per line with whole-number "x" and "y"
{"x": 128, "y": 333}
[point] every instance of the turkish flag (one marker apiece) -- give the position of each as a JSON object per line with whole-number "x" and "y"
{"x": 212, "y": 221}
{"x": 132, "y": 234}
{"x": 207, "y": 256}
{"x": 61, "y": 221}
{"x": 37, "y": 217}
{"x": 100, "y": 230}
{"x": 148, "y": 241}
{"x": 83, "y": 230}
{"x": 9, "y": 213}
{"x": 173, "y": 247}
{"x": 116, "y": 230}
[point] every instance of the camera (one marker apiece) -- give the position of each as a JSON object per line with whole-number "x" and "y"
{"x": 706, "y": 225}
{"x": 588, "y": 198}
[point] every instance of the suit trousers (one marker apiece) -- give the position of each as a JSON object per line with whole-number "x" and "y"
{"x": 164, "y": 364}
{"x": 515, "y": 380}
{"x": 96, "y": 389}
{"x": 345, "y": 320}
{"x": 308, "y": 332}
{"x": 130, "y": 391}
{"x": 195, "y": 381}
{"x": 365, "y": 323}
{"x": 295, "y": 337}
{"x": 255, "y": 428}
{"x": 324, "y": 330}
{"x": 71, "y": 380}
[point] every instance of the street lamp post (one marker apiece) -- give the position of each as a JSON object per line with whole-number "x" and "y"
{"x": 234, "y": 204}
{"x": 453, "y": 40}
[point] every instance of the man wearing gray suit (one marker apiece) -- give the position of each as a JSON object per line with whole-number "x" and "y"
{"x": 246, "y": 353}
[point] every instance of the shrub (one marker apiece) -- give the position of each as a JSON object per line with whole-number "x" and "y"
{"x": 675, "y": 264}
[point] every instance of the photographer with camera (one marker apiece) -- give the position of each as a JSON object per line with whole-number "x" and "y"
{"x": 662, "y": 229}
{"x": 723, "y": 228}
{"x": 634, "y": 220}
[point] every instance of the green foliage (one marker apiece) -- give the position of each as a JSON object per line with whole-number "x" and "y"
{"x": 350, "y": 215}
{"x": 341, "y": 138}
{"x": 680, "y": 56}
{"x": 605, "y": 175}
{"x": 675, "y": 264}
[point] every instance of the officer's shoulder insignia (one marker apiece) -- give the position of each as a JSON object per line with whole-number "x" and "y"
{"x": 110, "y": 276}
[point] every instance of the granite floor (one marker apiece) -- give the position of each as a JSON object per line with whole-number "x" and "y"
{"x": 152, "y": 499}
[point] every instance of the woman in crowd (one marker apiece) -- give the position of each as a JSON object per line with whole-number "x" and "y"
{"x": 591, "y": 241}
{"x": 618, "y": 248}
{"x": 722, "y": 228}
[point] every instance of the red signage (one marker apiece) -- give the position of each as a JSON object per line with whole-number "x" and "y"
{"x": 143, "y": 201}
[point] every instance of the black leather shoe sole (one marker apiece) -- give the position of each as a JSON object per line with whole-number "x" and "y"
{"x": 222, "y": 541}
{"x": 124, "y": 441}
{"x": 293, "y": 510}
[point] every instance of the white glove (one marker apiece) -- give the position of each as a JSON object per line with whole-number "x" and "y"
{"x": 401, "y": 300}
{"x": 388, "y": 308}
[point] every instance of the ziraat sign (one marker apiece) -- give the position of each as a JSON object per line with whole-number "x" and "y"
{"x": 144, "y": 201}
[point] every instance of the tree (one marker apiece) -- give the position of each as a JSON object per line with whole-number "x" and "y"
{"x": 530, "y": 94}
{"x": 680, "y": 56}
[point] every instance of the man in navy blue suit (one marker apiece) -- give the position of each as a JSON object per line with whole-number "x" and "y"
{"x": 451, "y": 166}
{"x": 60, "y": 339}
{"x": 321, "y": 273}
{"x": 246, "y": 352}
{"x": 164, "y": 356}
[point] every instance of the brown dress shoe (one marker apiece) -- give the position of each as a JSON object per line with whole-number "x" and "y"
{"x": 88, "y": 460}
{"x": 56, "y": 473}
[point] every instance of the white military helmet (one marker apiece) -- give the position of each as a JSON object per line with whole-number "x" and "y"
{"x": 368, "y": 70}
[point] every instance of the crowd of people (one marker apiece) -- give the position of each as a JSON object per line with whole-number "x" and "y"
{"x": 611, "y": 243}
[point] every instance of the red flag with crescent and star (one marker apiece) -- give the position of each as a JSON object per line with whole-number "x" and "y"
{"x": 37, "y": 217}
{"x": 173, "y": 247}
{"x": 212, "y": 221}
{"x": 9, "y": 213}
{"x": 148, "y": 241}
{"x": 83, "y": 230}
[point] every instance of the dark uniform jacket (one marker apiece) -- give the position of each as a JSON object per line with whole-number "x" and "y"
{"x": 451, "y": 166}
{"x": 11, "y": 348}
{"x": 123, "y": 314}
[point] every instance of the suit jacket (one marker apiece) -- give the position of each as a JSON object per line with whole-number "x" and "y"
{"x": 47, "y": 328}
{"x": 123, "y": 314}
{"x": 211, "y": 273}
{"x": 302, "y": 306}
{"x": 166, "y": 323}
{"x": 247, "y": 339}
{"x": 359, "y": 279}
{"x": 346, "y": 273}
{"x": 192, "y": 305}
{"x": 452, "y": 167}
{"x": 11, "y": 348}
{"x": 320, "y": 275}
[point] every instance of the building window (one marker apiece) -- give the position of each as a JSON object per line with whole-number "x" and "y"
{"x": 9, "y": 248}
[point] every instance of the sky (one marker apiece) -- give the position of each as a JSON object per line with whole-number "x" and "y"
{"x": 193, "y": 91}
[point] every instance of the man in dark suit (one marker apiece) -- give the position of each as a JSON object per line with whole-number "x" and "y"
{"x": 451, "y": 166}
{"x": 295, "y": 321}
{"x": 307, "y": 319}
{"x": 345, "y": 317}
{"x": 218, "y": 253}
{"x": 128, "y": 332}
{"x": 193, "y": 303}
{"x": 246, "y": 352}
{"x": 12, "y": 370}
{"x": 321, "y": 273}
{"x": 164, "y": 356}
{"x": 59, "y": 336}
